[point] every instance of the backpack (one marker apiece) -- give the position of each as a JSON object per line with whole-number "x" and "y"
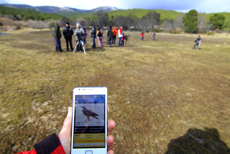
{"x": 99, "y": 34}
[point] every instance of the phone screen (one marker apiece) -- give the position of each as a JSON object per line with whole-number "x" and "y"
{"x": 89, "y": 121}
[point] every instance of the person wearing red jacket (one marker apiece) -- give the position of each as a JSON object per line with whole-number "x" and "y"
{"x": 61, "y": 144}
{"x": 142, "y": 35}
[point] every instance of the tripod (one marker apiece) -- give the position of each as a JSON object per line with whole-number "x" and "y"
{"x": 80, "y": 40}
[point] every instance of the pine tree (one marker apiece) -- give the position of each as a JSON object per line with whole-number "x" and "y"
{"x": 190, "y": 21}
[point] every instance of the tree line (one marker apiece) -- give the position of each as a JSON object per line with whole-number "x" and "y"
{"x": 26, "y": 14}
{"x": 192, "y": 22}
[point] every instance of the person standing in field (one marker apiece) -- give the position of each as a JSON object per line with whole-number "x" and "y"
{"x": 120, "y": 35}
{"x": 109, "y": 36}
{"x": 84, "y": 29}
{"x": 198, "y": 42}
{"x": 154, "y": 35}
{"x": 77, "y": 31}
{"x": 68, "y": 32}
{"x": 142, "y": 35}
{"x": 93, "y": 36}
{"x": 115, "y": 33}
{"x": 100, "y": 37}
{"x": 57, "y": 37}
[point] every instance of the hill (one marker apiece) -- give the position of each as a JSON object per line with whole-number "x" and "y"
{"x": 27, "y": 13}
{"x": 135, "y": 12}
{"x": 55, "y": 9}
{"x": 165, "y": 14}
{"x": 38, "y": 13}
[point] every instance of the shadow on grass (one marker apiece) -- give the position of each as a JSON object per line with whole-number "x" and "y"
{"x": 197, "y": 141}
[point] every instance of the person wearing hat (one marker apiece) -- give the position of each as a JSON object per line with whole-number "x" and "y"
{"x": 57, "y": 36}
{"x": 68, "y": 32}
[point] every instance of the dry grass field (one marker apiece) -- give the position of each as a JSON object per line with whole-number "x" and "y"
{"x": 164, "y": 96}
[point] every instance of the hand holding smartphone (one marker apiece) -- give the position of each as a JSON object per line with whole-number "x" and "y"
{"x": 89, "y": 123}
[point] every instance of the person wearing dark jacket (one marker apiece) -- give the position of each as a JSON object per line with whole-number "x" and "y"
{"x": 68, "y": 32}
{"x": 109, "y": 36}
{"x": 198, "y": 42}
{"x": 57, "y": 36}
{"x": 93, "y": 35}
{"x": 154, "y": 35}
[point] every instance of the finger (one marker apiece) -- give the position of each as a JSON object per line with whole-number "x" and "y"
{"x": 67, "y": 123}
{"x": 110, "y": 152}
{"x": 68, "y": 118}
{"x": 111, "y": 125}
{"x": 110, "y": 142}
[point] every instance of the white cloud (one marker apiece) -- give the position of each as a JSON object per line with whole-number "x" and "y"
{"x": 183, "y": 11}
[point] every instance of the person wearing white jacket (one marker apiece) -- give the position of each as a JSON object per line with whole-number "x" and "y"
{"x": 120, "y": 35}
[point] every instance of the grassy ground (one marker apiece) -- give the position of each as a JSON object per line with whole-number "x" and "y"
{"x": 163, "y": 95}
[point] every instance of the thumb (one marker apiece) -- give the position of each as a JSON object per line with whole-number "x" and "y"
{"x": 64, "y": 134}
{"x": 69, "y": 112}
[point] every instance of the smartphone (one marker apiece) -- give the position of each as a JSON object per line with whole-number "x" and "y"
{"x": 89, "y": 123}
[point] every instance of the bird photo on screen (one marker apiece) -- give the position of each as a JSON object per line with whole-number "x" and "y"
{"x": 89, "y": 113}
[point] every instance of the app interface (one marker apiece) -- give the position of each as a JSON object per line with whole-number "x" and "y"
{"x": 89, "y": 121}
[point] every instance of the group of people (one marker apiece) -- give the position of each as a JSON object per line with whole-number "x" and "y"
{"x": 112, "y": 34}
{"x": 67, "y": 33}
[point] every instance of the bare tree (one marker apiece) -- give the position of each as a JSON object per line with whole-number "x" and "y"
{"x": 178, "y": 22}
{"x": 202, "y": 23}
{"x": 168, "y": 25}
{"x": 150, "y": 20}
{"x": 64, "y": 20}
{"x": 18, "y": 17}
{"x": 31, "y": 23}
{"x": 83, "y": 23}
{"x": 102, "y": 19}
{"x": 126, "y": 22}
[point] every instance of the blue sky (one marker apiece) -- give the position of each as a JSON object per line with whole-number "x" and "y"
{"x": 207, "y": 6}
